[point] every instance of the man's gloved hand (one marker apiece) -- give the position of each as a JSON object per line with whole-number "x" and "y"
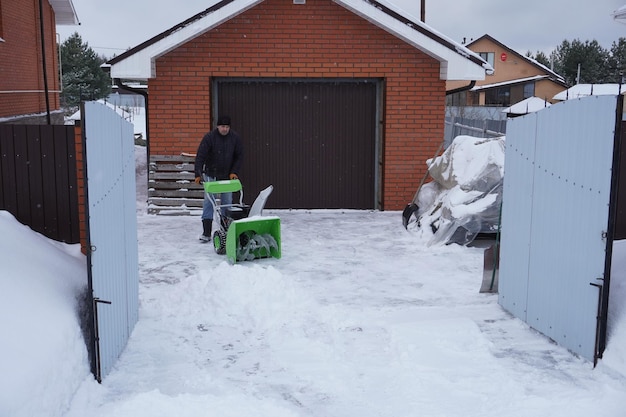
{"x": 233, "y": 177}
{"x": 198, "y": 180}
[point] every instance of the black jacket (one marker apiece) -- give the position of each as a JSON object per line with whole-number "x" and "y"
{"x": 218, "y": 155}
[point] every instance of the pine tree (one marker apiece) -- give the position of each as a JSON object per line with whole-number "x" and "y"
{"x": 83, "y": 78}
{"x": 588, "y": 58}
{"x": 617, "y": 61}
{"x": 540, "y": 57}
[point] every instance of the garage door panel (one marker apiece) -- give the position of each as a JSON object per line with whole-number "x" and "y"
{"x": 314, "y": 141}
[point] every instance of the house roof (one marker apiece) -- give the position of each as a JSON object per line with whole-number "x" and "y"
{"x": 510, "y": 82}
{"x": 457, "y": 62}
{"x": 554, "y": 76}
{"x": 529, "y": 105}
{"x": 64, "y": 12}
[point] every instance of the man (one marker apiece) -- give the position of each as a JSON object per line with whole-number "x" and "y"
{"x": 219, "y": 157}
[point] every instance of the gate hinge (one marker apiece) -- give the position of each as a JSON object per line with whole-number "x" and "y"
{"x": 596, "y": 284}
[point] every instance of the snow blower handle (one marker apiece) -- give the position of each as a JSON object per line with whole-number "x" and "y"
{"x": 222, "y": 186}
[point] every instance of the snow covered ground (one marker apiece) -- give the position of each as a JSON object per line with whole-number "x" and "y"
{"x": 358, "y": 318}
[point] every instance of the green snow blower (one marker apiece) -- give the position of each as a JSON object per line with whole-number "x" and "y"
{"x": 243, "y": 233}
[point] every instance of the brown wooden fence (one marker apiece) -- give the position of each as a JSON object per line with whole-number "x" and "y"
{"x": 38, "y": 178}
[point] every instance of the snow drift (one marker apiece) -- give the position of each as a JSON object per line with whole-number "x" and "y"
{"x": 43, "y": 353}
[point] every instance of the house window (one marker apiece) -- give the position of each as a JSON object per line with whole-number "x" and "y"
{"x": 498, "y": 96}
{"x": 489, "y": 57}
{"x": 529, "y": 90}
{"x": 458, "y": 99}
{"x": 473, "y": 99}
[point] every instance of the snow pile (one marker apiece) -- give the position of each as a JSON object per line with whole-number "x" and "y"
{"x": 529, "y": 105}
{"x": 584, "y": 90}
{"x": 43, "y": 355}
{"x": 464, "y": 198}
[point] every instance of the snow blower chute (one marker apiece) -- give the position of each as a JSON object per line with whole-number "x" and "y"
{"x": 243, "y": 233}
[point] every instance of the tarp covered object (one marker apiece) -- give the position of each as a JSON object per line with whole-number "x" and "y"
{"x": 464, "y": 197}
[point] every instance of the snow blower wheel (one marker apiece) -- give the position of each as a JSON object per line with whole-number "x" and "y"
{"x": 219, "y": 242}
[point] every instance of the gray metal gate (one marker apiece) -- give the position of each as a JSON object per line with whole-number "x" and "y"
{"x": 556, "y": 220}
{"x": 112, "y": 231}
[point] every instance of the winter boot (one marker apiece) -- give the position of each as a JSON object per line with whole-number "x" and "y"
{"x": 207, "y": 225}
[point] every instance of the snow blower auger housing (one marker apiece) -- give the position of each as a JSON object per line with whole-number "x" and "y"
{"x": 243, "y": 233}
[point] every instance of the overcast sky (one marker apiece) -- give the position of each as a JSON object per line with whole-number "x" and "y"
{"x": 111, "y": 27}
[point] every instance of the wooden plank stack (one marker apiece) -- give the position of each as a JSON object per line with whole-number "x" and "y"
{"x": 171, "y": 186}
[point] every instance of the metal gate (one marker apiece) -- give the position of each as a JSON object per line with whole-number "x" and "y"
{"x": 557, "y": 220}
{"x": 112, "y": 231}
{"x": 316, "y": 140}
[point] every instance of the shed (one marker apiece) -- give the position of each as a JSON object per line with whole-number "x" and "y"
{"x": 339, "y": 102}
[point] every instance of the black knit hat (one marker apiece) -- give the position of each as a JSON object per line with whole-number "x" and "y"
{"x": 223, "y": 121}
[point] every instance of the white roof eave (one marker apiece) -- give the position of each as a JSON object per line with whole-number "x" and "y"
{"x": 455, "y": 65}
{"x": 141, "y": 64}
{"x": 620, "y": 14}
{"x": 64, "y": 12}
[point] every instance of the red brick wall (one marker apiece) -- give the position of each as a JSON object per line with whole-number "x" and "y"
{"x": 317, "y": 39}
{"x": 21, "y": 71}
{"x": 80, "y": 183}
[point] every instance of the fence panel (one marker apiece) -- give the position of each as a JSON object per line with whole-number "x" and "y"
{"x": 112, "y": 230}
{"x": 516, "y": 216}
{"x": 480, "y": 128}
{"x": 555, "y": 219}
{"x": 38, "y": 180}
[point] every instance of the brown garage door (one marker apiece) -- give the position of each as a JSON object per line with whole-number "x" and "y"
{"x": 314, "y": 141}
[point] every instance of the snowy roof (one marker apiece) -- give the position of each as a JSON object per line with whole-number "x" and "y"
{"x": 529, "y": 105}
{"x": 584, "y": 90}
{"x": 457, "y": 62}
{"x": 509, "y": 82}
{"x": 64, "y": 12}
{"x": 620, "y": 14}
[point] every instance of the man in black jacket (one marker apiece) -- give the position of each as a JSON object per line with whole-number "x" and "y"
{"x": 219, "y": 157}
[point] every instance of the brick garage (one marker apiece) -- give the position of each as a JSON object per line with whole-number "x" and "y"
{"x": 320, "y": 39}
